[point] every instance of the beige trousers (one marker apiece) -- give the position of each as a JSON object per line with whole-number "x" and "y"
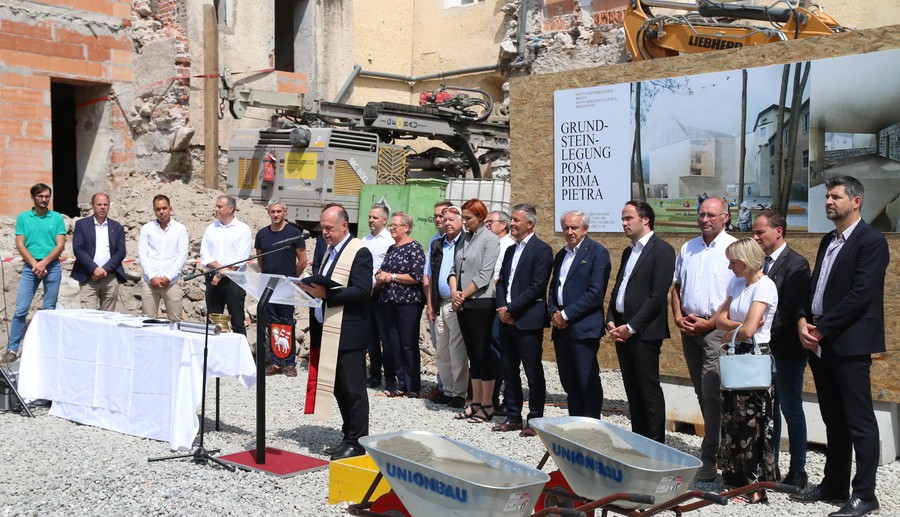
{"x": 101, "y": 294}
{"x": 450, "y": 351}
{"x": 171, "y": 295}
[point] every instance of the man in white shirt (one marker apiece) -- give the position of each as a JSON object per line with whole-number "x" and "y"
{"x": 162, "y": 251}
{"x": 380, "y": 353}
{"x": 99, "y": 246}
{"x": 701, "y": 283}
{"x": 226, "y": 241}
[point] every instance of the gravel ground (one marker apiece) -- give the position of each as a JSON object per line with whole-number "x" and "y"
{"x": 50, "y": 466}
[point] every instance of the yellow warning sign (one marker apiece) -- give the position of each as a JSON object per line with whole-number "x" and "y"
{"x": 300, "y": 166}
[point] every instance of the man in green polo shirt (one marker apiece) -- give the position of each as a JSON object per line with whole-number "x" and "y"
{"x": 40, "y": 238}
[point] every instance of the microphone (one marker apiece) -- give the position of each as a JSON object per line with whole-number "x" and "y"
{"x": 284, "y": 242}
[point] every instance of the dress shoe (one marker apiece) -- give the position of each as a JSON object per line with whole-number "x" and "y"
{"x": 456, "y": 402}
{"x": 435, "y": 392}
{"x": 528, "y": 431}
{"x": 440, "y": 399}
{"x": 797, "y": 479}
{"x": 817, "y": 493}
{"x": 347, "y": 450}
{"x": 507, "y": 426}
{"x": 9, "y": 357}
{"x": 707, "y": 472}
{"x": 273, "y": 370}
{"x": 373, "y": 382}
{"x": 290, "y": 371}
{"x": 856, "y": 507}
{"x": 334, "y": 448}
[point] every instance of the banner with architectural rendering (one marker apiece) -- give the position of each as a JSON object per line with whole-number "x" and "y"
{"x": 762, "y": 138}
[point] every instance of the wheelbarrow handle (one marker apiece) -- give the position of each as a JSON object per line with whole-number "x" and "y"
{"x": 568, "y": 512}
{"x": 787, "y": 489}
{"x": 714, "y": 498}
{"x": 641, "y": 499}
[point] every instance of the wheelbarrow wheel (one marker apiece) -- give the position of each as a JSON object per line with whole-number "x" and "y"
{"x": 390, "y": 505}
{"x": 549, "y": 500}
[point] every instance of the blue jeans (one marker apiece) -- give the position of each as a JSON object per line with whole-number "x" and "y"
{"x": 28, "y": 286}
{"x": 789, "y": 398}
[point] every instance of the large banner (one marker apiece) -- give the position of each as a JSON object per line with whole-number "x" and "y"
{"x": 593, "y": 144}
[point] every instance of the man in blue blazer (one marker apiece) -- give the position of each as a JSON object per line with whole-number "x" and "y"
{"x": 99, "y": 246}
{"x": 639, "y": 318}
{"x": 580, "y": 274}
{"x": 522, "y": 311}
{"x": 842, "y": 325}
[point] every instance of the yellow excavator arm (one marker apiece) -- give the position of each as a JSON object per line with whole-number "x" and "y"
{"x": 709, "y": 26}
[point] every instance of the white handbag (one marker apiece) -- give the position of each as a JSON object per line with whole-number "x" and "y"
{"x": 751, "y": 371}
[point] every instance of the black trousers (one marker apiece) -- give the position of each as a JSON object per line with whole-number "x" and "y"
{"x": 351, "y": 396}
{"x": 227, "y": 294}
{"x": 579, "y": 373}
{"x": 522, "y": 347}
{"x": 475, "y": 327}
{"x": 498, "y": 357}
{"x": 844, "y": 388}
{"x": 639, "y": 362}
{"x": 403, "y": 321}
{"x": 381, "y": 354}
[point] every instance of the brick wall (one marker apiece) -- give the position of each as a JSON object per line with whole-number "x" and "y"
{"x": 39, "y": 43}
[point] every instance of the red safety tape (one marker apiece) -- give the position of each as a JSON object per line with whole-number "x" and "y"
{"x": 18, "y": 260}
{"x": 92, "y": 101}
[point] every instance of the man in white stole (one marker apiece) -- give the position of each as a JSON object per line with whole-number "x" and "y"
{"x": 340, "y": 330}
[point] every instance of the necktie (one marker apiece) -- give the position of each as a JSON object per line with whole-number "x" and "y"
{"x": 767, "y": 265}
{"x": 320, "y": 315}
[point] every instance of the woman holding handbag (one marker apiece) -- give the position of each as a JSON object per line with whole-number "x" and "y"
{"x": 746, "y": 455}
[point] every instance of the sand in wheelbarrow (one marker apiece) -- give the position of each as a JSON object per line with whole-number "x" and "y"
{"x": 468, "y": 468}
{"x": 601, "y": 440}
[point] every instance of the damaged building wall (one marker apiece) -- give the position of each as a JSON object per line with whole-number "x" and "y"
{"x": 75, "y": 52}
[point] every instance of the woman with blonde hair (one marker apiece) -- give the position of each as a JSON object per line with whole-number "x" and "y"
{"x": 746, "y": 455}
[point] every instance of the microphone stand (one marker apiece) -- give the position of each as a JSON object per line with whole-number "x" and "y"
{"x": 201, "y": 454}
{"x": 8, "y": 382}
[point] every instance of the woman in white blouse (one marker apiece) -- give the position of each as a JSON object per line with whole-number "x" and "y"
{"x": 746, "y": 455}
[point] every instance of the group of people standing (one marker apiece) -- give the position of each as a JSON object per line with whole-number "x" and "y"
{"x": 489, "y": 287}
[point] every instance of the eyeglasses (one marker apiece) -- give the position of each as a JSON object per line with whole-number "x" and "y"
{"x": 703, "y": 215}
{"x": 392, "y": 226}
{"x": 491, "y": 221}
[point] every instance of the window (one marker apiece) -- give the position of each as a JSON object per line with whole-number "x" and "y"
{"x": 805, "y": 123}
{"x": 762, "y": 131}
{"x": 223, "y": 9}
{"x": 806, "y": 159}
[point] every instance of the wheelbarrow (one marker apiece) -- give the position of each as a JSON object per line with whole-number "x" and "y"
{"x": 600, "y": 464}
{"x": 431, "y": 474}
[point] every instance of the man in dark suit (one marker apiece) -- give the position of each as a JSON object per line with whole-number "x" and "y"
{"x": 639, "y": 320}
{"x": 99, "y": 246}
{"x": 790, "y": 273}
{"x": 580, "y": 274}
{"x": 842, "y": 324}
{"x": 522, "y": 311}
{"x": 345, "y": 314}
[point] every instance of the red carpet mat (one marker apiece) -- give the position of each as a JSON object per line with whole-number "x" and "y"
{"x": 278, "y": 462}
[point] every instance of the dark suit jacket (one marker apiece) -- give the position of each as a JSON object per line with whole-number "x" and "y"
{"x": 852, "y": 321}
{"x": 790, "y": 273}
{"x": 528, "y": 293}
{"x": 646, "y": 309}
{"x": 355, "y": 327}
{"x": 584, "y": 290}
{"x": 84, "y": 244}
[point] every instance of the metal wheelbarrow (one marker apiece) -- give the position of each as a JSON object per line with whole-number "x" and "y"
{"x": 431, "y": 474}
{"x": 602, "y": 466}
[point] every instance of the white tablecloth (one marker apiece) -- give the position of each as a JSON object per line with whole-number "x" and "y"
{"x": 140, "y": 381}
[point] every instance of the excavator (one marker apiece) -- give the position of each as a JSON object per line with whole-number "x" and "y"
{"x": 709, "y": 26}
